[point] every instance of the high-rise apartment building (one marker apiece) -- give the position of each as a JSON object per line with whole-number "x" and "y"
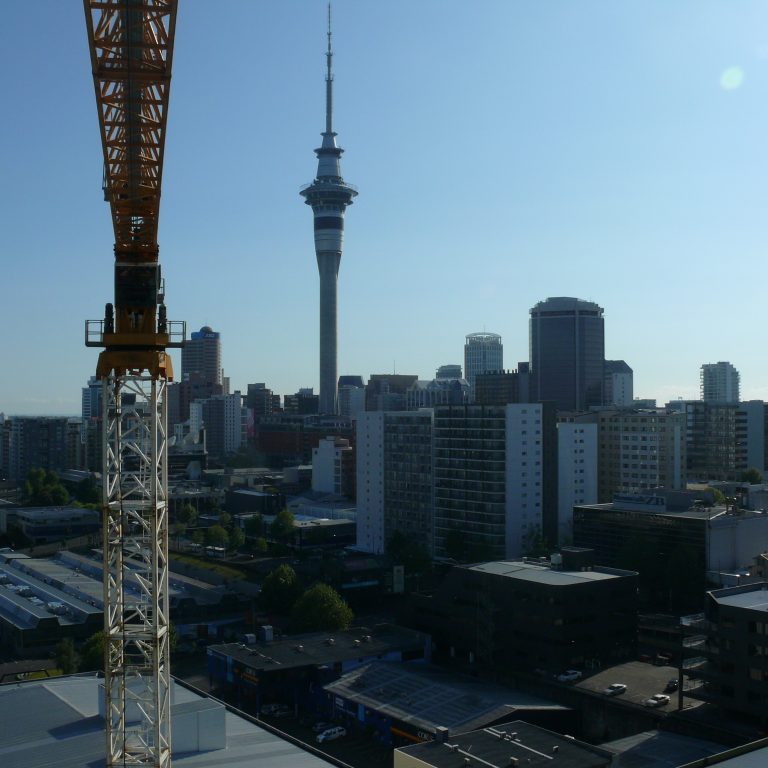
{"x": 482, "y": 352}
{"x": 36, "y": 442}
{"x": 576, "y": 472}
{"x": 333, "y": 467}
{"x": 201, "y": 355}
{"x": 329, "y": 195}
{"x": 567, "y": 351}
{"x": 719, "y": 383}
{"x": 618, "y": 387}
{"x": 723, "y": 439}
{"x": 225, "y": 422}
{"x": 394, "y": 477}
{"x": 640, "y": 450}
{"x": 495, "y": 479}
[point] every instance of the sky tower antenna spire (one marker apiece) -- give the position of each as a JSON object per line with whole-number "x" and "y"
{"x": 329, "y": 81}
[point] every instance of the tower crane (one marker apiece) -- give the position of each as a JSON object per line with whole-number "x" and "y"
{"x": 131, "y": 48}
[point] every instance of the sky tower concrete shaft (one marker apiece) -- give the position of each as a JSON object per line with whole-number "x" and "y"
{"x": 329, "y": 195}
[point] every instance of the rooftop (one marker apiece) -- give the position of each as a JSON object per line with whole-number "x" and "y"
{"x": 754, "y": 597}
{"x": 547, "y": 575}
{"x": 495, "y": 747}
{"x": 428, "y": 697}
{"x": 58, "y": 721}
{"x": 319, "y": 648}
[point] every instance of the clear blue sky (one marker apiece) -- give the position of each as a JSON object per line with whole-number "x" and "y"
{"x": 505, "y": 151}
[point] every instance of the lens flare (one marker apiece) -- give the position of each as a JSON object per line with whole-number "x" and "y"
{"x": 732, "y": 78}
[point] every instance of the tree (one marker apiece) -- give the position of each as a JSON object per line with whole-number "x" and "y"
{"x": 187, "y": 514}
{"x": 216, "y": 536}
{"x": 225, "y": 520}
{"x": 282, "y": 526}
{"x": 321, "y": 608}
{"x": 254, "y": 526}
{"x": 87, "y": 492}
{"x": 536, "y": 545}
{"x": 752, "y": 476}
{"x": 717, "y": 494}
{"x": 66, "y": 658}
{"x": 260, "y": 545}
{"x": 92, "y": 653}
{"x": 280, "y": 590}
{"x": 43, "y": 489}
{"x": 236, "y": 538}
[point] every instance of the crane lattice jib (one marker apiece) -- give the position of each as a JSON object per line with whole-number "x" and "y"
{"x": 131, "y": 45}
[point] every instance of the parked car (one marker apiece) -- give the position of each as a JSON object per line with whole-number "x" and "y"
{"x": 615, "y": 689}
{"x": 282, "y": 711}
{"x": 330, "y": 734}
{"x": 672, "y": 685}
{"x": 270, "y": 709}
{"x": 657, "y": 700}
{"x": 320, "y": 727}
{"x": 569, "y": 676}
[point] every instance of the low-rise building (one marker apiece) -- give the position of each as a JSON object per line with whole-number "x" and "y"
{"x": 726, "y": 652}
{"x": 717, "y": 539}
{"x": 512, "y": 744}
{"x": 511, "y": 616}
{"x": 407, "y": 703}
{"x": 42, "y": 525}
{"x": 292, "y": 670}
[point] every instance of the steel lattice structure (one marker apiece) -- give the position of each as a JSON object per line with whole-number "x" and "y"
{"x": 137, "y": 670}
{"x": 131, "y": 46}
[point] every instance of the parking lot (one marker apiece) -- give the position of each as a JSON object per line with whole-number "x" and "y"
{"x": 642, "y": 680}
{"x": 353, "y": 749}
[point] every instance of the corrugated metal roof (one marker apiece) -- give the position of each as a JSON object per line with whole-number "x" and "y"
{"x": 56, "y": 722}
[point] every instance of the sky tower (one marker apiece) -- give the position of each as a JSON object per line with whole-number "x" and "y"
{"x": 329, "y": 195}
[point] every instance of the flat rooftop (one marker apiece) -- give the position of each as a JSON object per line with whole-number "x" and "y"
{"x": 718, "y": 513}
{"x": 57, "y": 722}
{"x": 755, "y": 599}
{"x": 660, "y": 749}
{"x": 531, "y": 746}
{"x": 546, "y": 575}
{"x": 428, "y": 697}
{"x": 319, "y": 648}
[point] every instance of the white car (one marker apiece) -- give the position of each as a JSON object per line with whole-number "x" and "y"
{"x": 332, "y": 733}
{"x": 657, "y": 700}
{"x": 615, "y": 689}
{"x": 569, "y": 676}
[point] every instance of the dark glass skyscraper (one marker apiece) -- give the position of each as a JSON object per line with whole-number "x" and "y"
{"x": 567, "y": 339}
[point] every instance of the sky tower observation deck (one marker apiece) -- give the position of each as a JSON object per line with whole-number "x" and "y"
{"x": 329, "y": 195}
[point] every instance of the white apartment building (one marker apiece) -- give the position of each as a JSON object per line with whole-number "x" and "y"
{"x": 576, "y": 472}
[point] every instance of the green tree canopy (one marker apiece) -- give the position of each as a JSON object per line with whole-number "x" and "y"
{"x": 43, "y": 489}
{"x": 254, "y": 526}
{"x": 187, "y": 514}
{"x": 216, "y": 536}
{"x": 87, "y": 492}
{"x": 260, "y": 545}
{"x": 751, "y": 475}
{"x": 282, "y": 526}
{"x": 92, "y": 653}
{"x": 66, "y": 658}
{"x": 225, "y": 520}
{"x": 321, "y": 608}
{"x": 236, "y": 538}
{"x": 280, "y": 590}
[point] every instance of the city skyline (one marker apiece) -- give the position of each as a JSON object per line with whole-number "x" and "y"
{"x": 618, "y": 151}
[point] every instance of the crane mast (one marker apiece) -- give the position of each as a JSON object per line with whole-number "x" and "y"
{"x": 131, "y": 48}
